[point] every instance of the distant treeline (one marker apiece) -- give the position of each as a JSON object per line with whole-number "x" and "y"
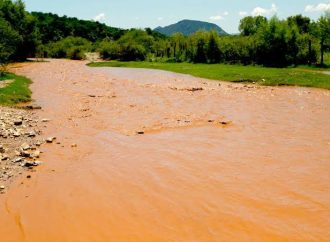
{"x": 274, "y": 42}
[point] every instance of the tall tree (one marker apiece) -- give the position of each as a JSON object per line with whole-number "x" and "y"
{"x": 250, "y": 25}
{"x": 324, "y": 33}
{"x": 213, "y": 49}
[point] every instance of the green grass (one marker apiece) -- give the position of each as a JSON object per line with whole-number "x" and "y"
{"x": 300, "y": 76}
{"x": 16, "y": 92}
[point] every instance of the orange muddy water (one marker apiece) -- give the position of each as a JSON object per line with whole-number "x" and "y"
{"x": 230, "y": 162}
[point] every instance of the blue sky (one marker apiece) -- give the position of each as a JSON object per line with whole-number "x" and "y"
{"x": 153, "y": 13}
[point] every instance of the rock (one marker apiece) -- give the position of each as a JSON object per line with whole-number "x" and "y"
{"x": 25, "y": 146}
{"x": 225, "y": 123}
{"x": 195, "y": 89}
{"x": 16, "y": 134}
{"x": 45, "y": 120}
{"x": 29, "y": 164}
{"x": 18, "y": 122}
{"x": 140, "y": 132}
{"x": 35, "y": 154}
{"x": 32, "y": 163}
{"x": 17, "y": 160}
{"x": 25, "y": 154}
{"x": 31, "y": 134}
{"x": 28, "y": 176}
{"x": 2, "y": 187}
{"x": 74, "y": 145}
{"x": 32, "y": 107}
{"x": 38, "y": 143}
{"x": 2, "y": 149}
{"x": 4, "y": 157}
{"x": 37, "y": 163}
{"x": 50, "y": 139}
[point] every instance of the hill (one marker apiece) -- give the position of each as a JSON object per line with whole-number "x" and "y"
{"x": 53, "y": 28}
{"x": 188, "y": 27}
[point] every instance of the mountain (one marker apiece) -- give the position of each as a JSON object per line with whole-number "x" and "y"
{"x": 188, "y": 27}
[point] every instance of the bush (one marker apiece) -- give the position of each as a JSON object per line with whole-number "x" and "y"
{"x": 132, "y": 52}
{"x": 109, "y": 50}
{"x": 71, "y": 47}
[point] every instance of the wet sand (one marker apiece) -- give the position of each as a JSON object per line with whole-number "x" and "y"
{"x": 230, "y": 162}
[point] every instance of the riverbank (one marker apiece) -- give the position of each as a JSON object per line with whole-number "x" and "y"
{"x": 303, "y": 76}
{"x": 19, "y": 144}
{"x": 14, "y": 89}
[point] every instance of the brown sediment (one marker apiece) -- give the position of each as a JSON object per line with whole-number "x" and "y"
{"x": 145, "y": 156}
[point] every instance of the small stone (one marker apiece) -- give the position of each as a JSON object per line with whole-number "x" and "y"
{"x": 28, "y": 164}
{"x": 50, "y": 139}
{"x": 32, "y": 163}
{"x": 37, "y": 163}
{"x": 18, "y": 122}
{"x": 140, "y": 132}
{"x": 38, "y": 143}
{"x": 4, "y": 157}
{"x": 28, "y": 176}
{"x": 74, "y": 145}
{"x": 32, "y": 107}
{"x": 35, "y": 154}
{"x": 17, "y": 160}
{"x": 2, "y": 187}
{"x": 25, "y": 146}
{"x": 16, "y": 134}
{"x": 31, "y": 134}
{"x": 45, "y": 120}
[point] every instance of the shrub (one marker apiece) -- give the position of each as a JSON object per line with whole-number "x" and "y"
{"x": 70, "y": 47}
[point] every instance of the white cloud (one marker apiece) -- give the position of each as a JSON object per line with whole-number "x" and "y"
{"x": 100, "y": 18}
{"x": 242, "y": 13}
{"x": 318, "y": 8}
{"x": 215, "y": 18}
{"x": 264, "y": 11}
{"x": 226, "y": 13}
{"x": 160, "y": 18}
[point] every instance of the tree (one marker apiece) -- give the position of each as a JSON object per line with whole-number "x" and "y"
{"x": 213, "y": 49}
{"x": 178, "y": 43}
{"x": 250, "y": 25}
{"x": 200, "y": 56}
{"x": 272, "y": 46}
{"x": 8, "y": 41}
{"x": 24, "y": 24}
{"x": 324, "y": 33}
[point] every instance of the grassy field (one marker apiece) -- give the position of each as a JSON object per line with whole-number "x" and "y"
{"x": 16, "y": 92}
{"x": 301, "y": 76}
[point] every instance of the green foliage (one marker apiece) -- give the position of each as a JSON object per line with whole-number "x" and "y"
{"x": 279, "y": 43}
{"x": 24, "y": 24}
{"x": 213, "y": 49}
{"x": 16, "y": 92}
{"x": 8, "y": 42}
{"x": 53, "y": 28}
{"x": 132, "y": 46}
{"x": 251, "y": 25}
{"x": 71, "y": 47}
{"x": 323, "y": 33}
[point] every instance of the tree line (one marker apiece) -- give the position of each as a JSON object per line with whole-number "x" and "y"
{"x": 269, "y": 42}
{"x": 274, "y": 42}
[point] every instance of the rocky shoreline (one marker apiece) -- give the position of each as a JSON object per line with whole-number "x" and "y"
{"x": 20, "y": 141}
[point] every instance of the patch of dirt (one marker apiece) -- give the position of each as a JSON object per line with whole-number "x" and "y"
{"x": 5, "y": 83}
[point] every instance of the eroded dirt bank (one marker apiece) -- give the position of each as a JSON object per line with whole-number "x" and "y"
{"x": 216, "y": 162}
